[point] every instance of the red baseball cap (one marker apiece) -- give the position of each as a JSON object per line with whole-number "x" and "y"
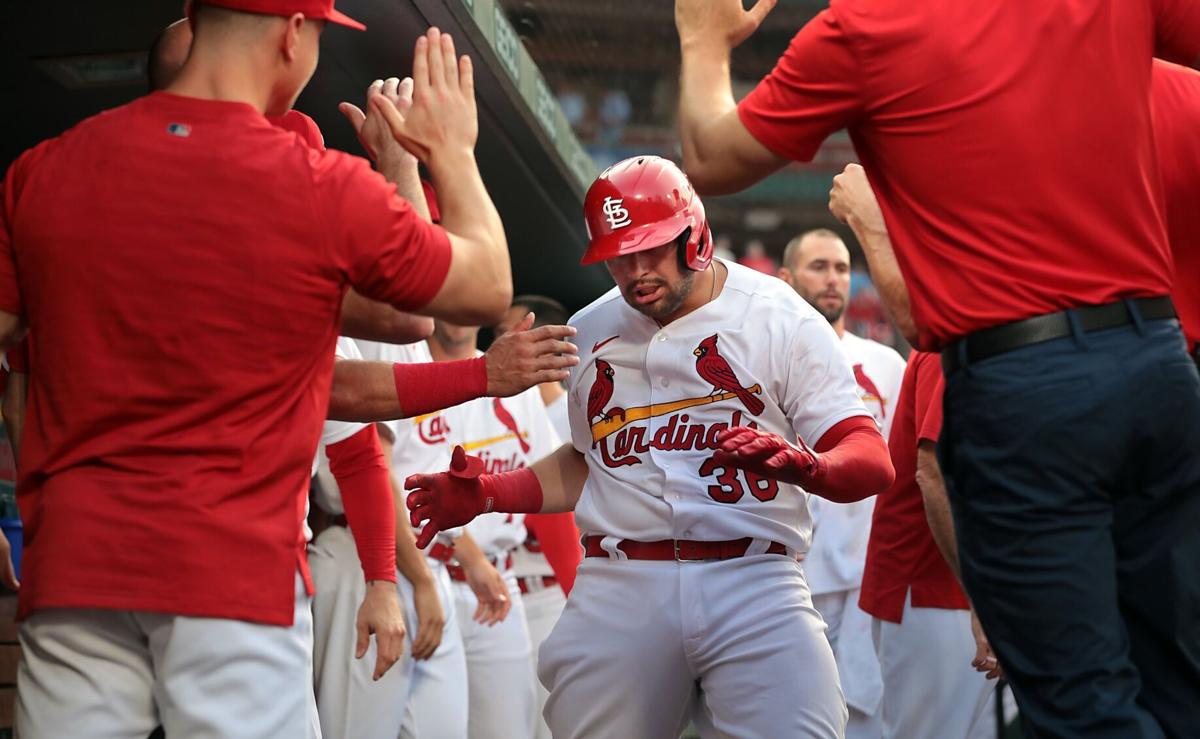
{"x": 322, "y": 9}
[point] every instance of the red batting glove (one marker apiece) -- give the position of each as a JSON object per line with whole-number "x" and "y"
{"x": 457, "y": 496}
{"x": 769, "y": 455}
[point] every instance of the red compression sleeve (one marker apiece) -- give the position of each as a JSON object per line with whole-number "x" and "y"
{"x": 852, "y": 463}
{"x": 518, "y": 491}
{"x": 363, "y": 477}
{"x": 558, "y": 537}
{"x": 432, "y": 386}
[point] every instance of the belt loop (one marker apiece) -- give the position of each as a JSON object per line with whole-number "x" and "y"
{"x": 757, "y": 546}
{"x": 1135, "y": 315}
{"x": 1076, "y": 329}
{"x": 609, "y": 544}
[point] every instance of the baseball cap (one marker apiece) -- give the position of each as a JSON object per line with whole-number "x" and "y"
{"x": 321, "y": 9}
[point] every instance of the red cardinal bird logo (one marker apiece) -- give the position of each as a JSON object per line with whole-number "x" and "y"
{"x": 713, "y": 368}
{"x": 871, "y": 390}
{"x": 509, "y": 423}
{"x": 602, "y": 390}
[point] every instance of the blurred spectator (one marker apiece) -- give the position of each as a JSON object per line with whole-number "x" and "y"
{"x": 615, "y": 110}
{"x": 756, "y": 258}
{"x": 574, "y": 106}
{"x": 865, "y": 316}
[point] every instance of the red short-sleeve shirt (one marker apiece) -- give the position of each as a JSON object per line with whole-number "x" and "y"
{"x": 901, "y": 554}
{"x": 1175, "y": 107}
{"x": 181, "y": 264}
{"x": 1008, "y": 142}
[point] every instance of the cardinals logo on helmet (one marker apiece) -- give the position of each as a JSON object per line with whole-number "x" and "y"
{"x": 615, "y": 213}
{"x": 714, "y": 369}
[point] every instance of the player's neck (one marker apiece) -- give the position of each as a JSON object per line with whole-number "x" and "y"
{"x": 705, "y": 289}
{"x": 225, "y": 79}
{"x": 839, "y": 327}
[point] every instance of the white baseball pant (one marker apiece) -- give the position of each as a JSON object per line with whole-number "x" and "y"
{"x": 119, "y": 674}
{"x": 351, "y": 705}
{"x": 437, "y": 704}
{"x": 849, "y": 634}
{"x": 638, "y": 637}
{"x": 499, "y": 668}
{"x": 929, "y": 686}
{"x": 543, "y": 607}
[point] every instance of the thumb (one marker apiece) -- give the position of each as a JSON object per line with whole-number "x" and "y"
{"x": 353, "y": 114}
{"x": 759, "y": 12}
{"x": 458, "y": 460}
{"x": 364, "y": 640}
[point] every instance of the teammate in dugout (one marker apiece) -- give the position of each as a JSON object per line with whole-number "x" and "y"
{"x": 817, "y": 266}
{"x": 165, "y": 439}
{"x": 699, "y": 386}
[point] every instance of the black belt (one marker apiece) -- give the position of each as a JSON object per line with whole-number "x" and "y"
{"x": 990, "y": 342}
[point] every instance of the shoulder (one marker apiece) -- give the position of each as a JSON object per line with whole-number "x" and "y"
{"x": 764, "y": 297}
{"x": 600, "y": 315}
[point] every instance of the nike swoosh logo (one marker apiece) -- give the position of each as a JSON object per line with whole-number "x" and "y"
{"x": 599, "y": 344}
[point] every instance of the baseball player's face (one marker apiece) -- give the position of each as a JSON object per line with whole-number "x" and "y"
{"x": 652, "y": 281}
{"x": 821, "y": 275}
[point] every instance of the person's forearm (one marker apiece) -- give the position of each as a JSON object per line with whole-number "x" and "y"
{"x": 561, "y": 475}
{"x": 937, "y": 505}
{"x": 887, "y": 277}
{"x": 13, "y": 409}
{"x": 400, "y": 169}
{"x": 467, "y": 551}
{"x": 365, "y": 391}
{"x": 467, "y": 211}
{"x": 363, "y": 318}
{"x": 363, "y": 477}
{"x": 854, "y": 463}
{"x": 705, "y": 93}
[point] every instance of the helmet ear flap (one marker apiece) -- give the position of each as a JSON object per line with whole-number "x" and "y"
{"x": 702, "y": 255}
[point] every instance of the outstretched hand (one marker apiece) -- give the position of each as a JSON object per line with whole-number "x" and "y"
{"x": 443, "y": 116}
{"x": 372, "y": 128}
{"x": 724, "y": 23}
{"x": 525, "y": 357}
{"x": 446, "y": 499}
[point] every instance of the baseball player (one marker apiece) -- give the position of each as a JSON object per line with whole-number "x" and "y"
{"x": 182, "y": 376}
{"x": 546, "y": 563}
{"x": 923, "y": 625}
{"x": 1037, "y": 260}
{"x": 709, "y": 401}
{"x": 817, "y": 266}
{"x": 506, "y": 434}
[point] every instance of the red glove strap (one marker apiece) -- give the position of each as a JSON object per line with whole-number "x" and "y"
{"x": 852, "y": 462}
{"x": 518, "y": 491}
{"x": 432, "y": 386}
{"x": 363, "y": 478}
{"x": 559, "y": 539}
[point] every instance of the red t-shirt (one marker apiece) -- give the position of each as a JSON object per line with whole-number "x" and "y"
{"x": 1175, "y": 110}
{"x": 181, "y": 264}
{"x": 901, "y": 553}
{"x": 1008, "y": 142}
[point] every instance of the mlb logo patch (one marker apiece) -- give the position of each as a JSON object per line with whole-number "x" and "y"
{"x": 182, "y": 130}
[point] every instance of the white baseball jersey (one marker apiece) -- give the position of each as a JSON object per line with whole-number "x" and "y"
{"x": 558, "y": 412}
{"x": 424, "y": 443}
{"x": 841, "y": 530}
{"x": 648, "y": 402}
{"x": 507, "y": 434}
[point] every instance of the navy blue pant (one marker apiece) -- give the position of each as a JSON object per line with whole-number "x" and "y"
{"x": 1073, "y": 469}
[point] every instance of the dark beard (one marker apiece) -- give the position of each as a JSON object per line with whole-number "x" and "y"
{"x": 671, "y": 302}
{"x": 833, "y": 314}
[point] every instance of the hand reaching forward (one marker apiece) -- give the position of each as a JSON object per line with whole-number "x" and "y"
{"x": 443, "y": 117}
{"x": 446, "y": 499}
{"x": 524, "y": 358}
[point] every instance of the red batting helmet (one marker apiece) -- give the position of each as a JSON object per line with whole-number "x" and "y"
{"x": 643, "y": 203}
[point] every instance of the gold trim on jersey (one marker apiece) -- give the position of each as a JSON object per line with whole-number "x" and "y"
{"x": 473, "y": 445}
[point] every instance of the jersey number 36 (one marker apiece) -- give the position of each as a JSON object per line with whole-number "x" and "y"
{"x": 730, "y": 489}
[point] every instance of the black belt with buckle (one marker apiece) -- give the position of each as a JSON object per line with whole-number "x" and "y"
{"x": 990, "y": 342}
